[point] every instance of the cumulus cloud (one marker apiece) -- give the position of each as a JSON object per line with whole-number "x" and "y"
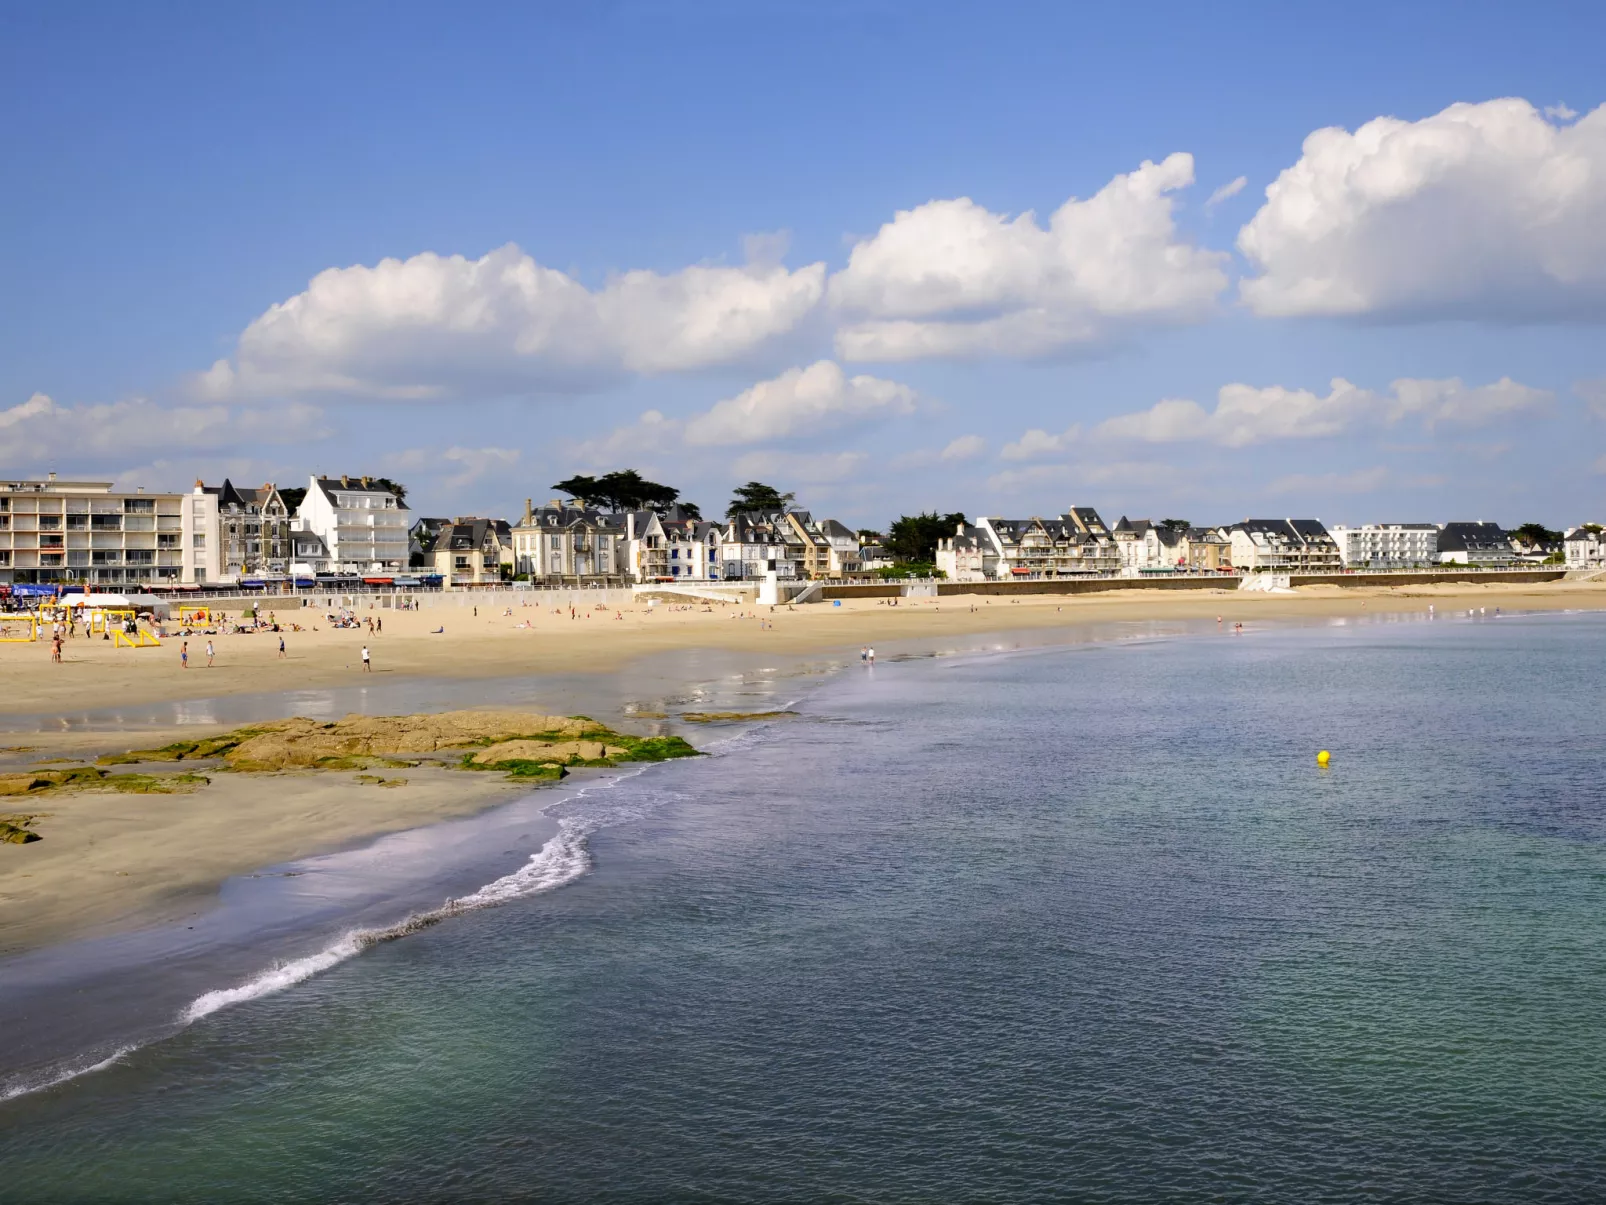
{"x": 1358, "y": 481}
{"x": 39, "y": 432}
{"x": 807, "y": 468}
{"x": 439, "y": 326}
{"x": 1230, "y": 189}
{"x": 818, "y": 398}
{"x": 951, "y": 278}
{"x": 1593, "y": 394}
{"x": 966, "y": 447}
{"x": 801, "y": 403}
{"x": 1122, "y": 472}
{"x": 1482, "y": 211}
{"x": 1561, "y": 112}
{"x": 1038, "y": 443}
{"x": 1246, "y": 415}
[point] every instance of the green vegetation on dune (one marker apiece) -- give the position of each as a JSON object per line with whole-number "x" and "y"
{"x": 14, "y": 830}
{"x": 213, "y": 746}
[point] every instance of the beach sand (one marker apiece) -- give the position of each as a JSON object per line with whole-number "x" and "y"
{"x": 110, "y": 860}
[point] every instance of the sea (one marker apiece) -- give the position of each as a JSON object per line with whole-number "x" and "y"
{"x": 1000, "y": 921}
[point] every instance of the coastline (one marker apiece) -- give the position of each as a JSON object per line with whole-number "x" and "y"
{"x": 112, "y": 863}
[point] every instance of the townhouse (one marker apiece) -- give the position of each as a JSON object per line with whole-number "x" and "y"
{"x": 253, "y": 531}
{"x": 564, "y": 542}
{"x": 1585, "y": 547}
{"x": 472, "y": 552}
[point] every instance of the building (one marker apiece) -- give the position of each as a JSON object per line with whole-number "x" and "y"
{"x": 875, "y": 556}
{"x": 755, "y": 544}
{"x": 967, "y": 556}
{"x": 1131, "y": 544}
{"x": 1283, "y": 546}
{"x": 1075, "y": 544}
{"x": 1209, "y": 549}
{"x": 1479, "y": 545}
{"x": 563, "y": 543}
{"x": 1388, "y": 545}
{"x": 363, "y": 526}
{"x": 1585, "y": 547}
{"x": 673, "y": 546}
{"x": 81, "y": 532}
{"x": 421, "y": 537}
{"x": 253, "y": 531}
{"x": 472, "y": 552}
{"x": 830, "y": 549}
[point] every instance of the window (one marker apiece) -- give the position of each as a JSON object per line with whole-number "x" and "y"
{"x": 167, "y": 541}
{"x": 49, "y": 522}
{"x": 47, "y": 559}
{"x": 106, "y": 522}
{"x": 557, "y": 543}
{"x": 111, "y": 556}
{"x": 139, "y": 506}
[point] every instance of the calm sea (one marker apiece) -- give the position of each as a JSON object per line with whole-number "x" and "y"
{"x": 1080, "y": 923}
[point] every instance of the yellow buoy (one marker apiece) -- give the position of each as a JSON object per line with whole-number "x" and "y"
{"x": 1323, "y": 758}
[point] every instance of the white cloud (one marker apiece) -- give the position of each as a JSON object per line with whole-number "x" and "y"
{"x": 40, "y": 432}
{"x": 800, "y": 404}
{"x": 1246, "y": 415}
{"x": 1231, "y": 189}
{"x": 1593, "y": 394}
{"x": 807, "y": 468}
{"x": 950, "y": 278}
{"x": 966, "y": 447}
{"x": 1481, "y": 211}
{"x": 801, "y": 401}
{"x": 1123, "y": 472}
{"x": 1038, "y": 442}
{"x": 438, "y": 326}
{"x": 1560, "y": 112}
{"x": 1359, "y": 481}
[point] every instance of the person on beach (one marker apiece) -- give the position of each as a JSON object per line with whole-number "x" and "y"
{"x": 869, "y": 655}
{"x": 281, "y": 648}
{"x": 209, "y": 654}
{"x": 367, "y": 666}
{"x": 55, "y": 650}
{"x": 379, "y": 625}
{"x": 864, "y": 652}
{"x": 184, "y": 655}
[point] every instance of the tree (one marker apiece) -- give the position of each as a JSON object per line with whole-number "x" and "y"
{"x": 867, "y": 536}
{"x": 622, "y": 489}
{"x": 1175, "y": 524}
{"x": 385, "y": 483}
{"x": 914, "y": 537}
{"x": 293, "y": 497}
{"x": 755, "y": 497}
{"x": 1537, "y": 534}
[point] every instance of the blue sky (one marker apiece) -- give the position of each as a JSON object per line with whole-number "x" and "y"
{"x": 177, "y": 172}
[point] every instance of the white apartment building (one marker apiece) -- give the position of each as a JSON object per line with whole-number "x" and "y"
{"x": 1387, "y": 545}
{"x": 1481, "y": 545}
{"x": 363, "y": 526}
{"x": 81, "y": 532}
{"x": 1284, "y": 545}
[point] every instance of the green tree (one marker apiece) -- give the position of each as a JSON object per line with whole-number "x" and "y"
{"x": 622, "y": 489}
{"x": 1537, "y": 533}
{"x": 385, "y": 483}
{"x": 867, "y": 536}
{"x": 914, "y": 538}
{"x": 755, "y": 497}
{"x": 1175, "y": 524}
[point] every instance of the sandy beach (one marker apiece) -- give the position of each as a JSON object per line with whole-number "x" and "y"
{"x": 107, "y": 860}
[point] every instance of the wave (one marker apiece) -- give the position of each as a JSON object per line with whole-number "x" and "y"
{"x": 61, "y": 1073}
{"x": 564, "y": 858}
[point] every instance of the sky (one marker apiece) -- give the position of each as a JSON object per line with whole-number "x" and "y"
{"x": 1198, "y": 261}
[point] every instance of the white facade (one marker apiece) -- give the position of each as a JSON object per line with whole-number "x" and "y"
{"x": 58, "y": 532}
{"x": 1284, "y": 545}
{"x": 565, "y": 542}
{"x": 1585, "y": 548}
{"x": 363, "y": 526}
{"x": 1387, "y": 545}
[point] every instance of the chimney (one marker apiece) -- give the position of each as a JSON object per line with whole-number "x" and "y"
{"x": 51, "y": 475}
{"x": 529, "y": 510}
{"x": 345, "y": 481}
{"x": 365, "y": 483}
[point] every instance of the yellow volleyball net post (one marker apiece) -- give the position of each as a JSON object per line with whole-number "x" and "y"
{"x": 189, "y": 616}
{"x": 18, "y": 629}
{"x": 141, "y": 639}
{"x": 100, "y": 619}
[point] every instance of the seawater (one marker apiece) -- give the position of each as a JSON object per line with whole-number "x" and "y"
{"x": 1065, "y": 924}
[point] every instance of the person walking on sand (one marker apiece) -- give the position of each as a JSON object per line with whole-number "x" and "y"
{"x": 210, "y": 653}
{"x": 367, "y": 666}
{"x": 55, "y": 650}
{"x": 379, "y": 625}
{"x": 184, "y": 655}
{"x": 281, "y": 648}
{"x": 869, "y": 655}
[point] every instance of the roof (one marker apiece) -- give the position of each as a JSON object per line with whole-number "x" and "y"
{"x": 1473, "y": 537}
{"x": 354, "y": 485}
{"x": 1292, "y": 531}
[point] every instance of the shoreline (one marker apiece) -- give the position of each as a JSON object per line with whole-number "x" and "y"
{"x": 114, "y": 863}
